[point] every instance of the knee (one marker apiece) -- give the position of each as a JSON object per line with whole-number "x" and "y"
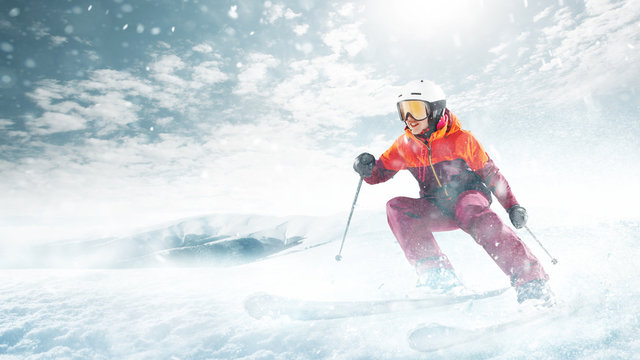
{"x": 396, "y": 205}
{"x": 490, "y": 221}
{"x": 478, "y": 219}
{"x": 471, "y": 204}
{"x": 487, "y": 225}
{"x": 468, "y": 216}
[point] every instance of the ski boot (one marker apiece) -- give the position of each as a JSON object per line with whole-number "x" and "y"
{"x": 535, "y": 290}
{"x": 439, "y": 280}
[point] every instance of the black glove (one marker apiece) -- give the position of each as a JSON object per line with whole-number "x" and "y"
{"x": 518, "y": 216}
{"x": 364, "y": 164}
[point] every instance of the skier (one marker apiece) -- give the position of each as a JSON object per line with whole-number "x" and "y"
{"x": 456, "y": 178}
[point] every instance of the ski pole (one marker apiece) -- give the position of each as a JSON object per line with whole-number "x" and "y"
{"x": 553, "y": 260}
{"x": 339, "y": 257}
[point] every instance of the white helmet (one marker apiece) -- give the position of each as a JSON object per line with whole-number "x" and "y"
{"x": 422, "y": 90}
{"x": 426, "y": 92}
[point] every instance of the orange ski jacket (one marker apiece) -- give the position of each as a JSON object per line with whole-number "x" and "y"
{"x": 448, "y": 163}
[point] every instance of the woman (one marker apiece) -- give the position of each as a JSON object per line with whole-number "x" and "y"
{"x": 456, "y": 178}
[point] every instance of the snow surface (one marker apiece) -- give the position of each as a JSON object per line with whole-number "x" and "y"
{"x": 159, "y": 311}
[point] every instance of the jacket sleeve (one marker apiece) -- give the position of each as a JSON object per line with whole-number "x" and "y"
{"x": 486, "y": 169}
{"x": 380, "y": 173}
{"x": 388, "y": 165}
{"x": 497, "y": 183}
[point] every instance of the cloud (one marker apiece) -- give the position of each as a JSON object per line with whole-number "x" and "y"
{"x": 107, "y": 80}
{"x": 348, "y": 38}
{"x": 211, "y": 166}
{"x": 39, "y": 30}
{"x": 58, "y": 40}
{"x": 53, "y": 122}
{"x": 112, "y": 170}
{"x": 254, "y": 74}
{"x": 589, "y": 48}
{"x": 136, "y": 141}
{"x": 562, "y": 57}
{"x": 326, "y": 92}
{"x": 265, "y": 166}
{"x": 203, "y": 48}
{"x": 103, "y": 100}
{"x": 111, "y": 111}
{"x": 131, "y": 176}
{"x": 290, "y": 14}
{"x": 301, "y": 29}
{"x": 5, "y": 123}
{"x": 305, "y": 47}
{"x": 179, "y": 82}
{"x": 233, "y": 12}
{"x": 347, "y": 10}
{"x": 164, "y": 70}
{"x": 599, "y": 7}
{"x": 164, "y": 121}
{"x": 499, "y": 48}
{"x": 111, "y": 100}
{"x": 99, "y": 177}
{"x": 208, "y": 73}
{"x": 287, "y": 161}
{"x": 543, "y": 14}
{"x": 272, "y": 12}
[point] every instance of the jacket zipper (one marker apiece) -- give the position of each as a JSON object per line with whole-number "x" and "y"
{"x": 434, "y": 171}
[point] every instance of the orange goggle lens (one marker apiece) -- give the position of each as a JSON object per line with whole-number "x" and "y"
{"x": 418, "y": 109}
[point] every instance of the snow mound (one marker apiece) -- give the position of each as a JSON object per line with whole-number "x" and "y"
{"x": 213, "y": 240}
{"x": 199, "y": 312}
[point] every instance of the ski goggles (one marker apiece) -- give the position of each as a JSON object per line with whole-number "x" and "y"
{"x": 418, "y": 109}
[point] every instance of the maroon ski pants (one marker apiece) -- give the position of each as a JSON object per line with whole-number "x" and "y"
{"x": 413, "y": 222}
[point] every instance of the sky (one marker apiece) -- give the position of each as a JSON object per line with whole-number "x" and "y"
{"x": 119, "y": 114}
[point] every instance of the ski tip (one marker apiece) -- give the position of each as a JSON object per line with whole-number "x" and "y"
{"x": 433, "y": 337}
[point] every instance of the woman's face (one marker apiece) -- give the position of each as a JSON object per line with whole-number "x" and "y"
{"x": 416, "y": 127}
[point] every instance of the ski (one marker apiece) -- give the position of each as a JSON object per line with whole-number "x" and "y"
{"x": 264, "y": 305}
{"x": 433, "y": 336}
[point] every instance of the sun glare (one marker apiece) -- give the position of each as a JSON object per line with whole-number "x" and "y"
{"x": 416, "y": 19}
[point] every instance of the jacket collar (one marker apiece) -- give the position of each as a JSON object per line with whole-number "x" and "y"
{"x": 452, "y": 125}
